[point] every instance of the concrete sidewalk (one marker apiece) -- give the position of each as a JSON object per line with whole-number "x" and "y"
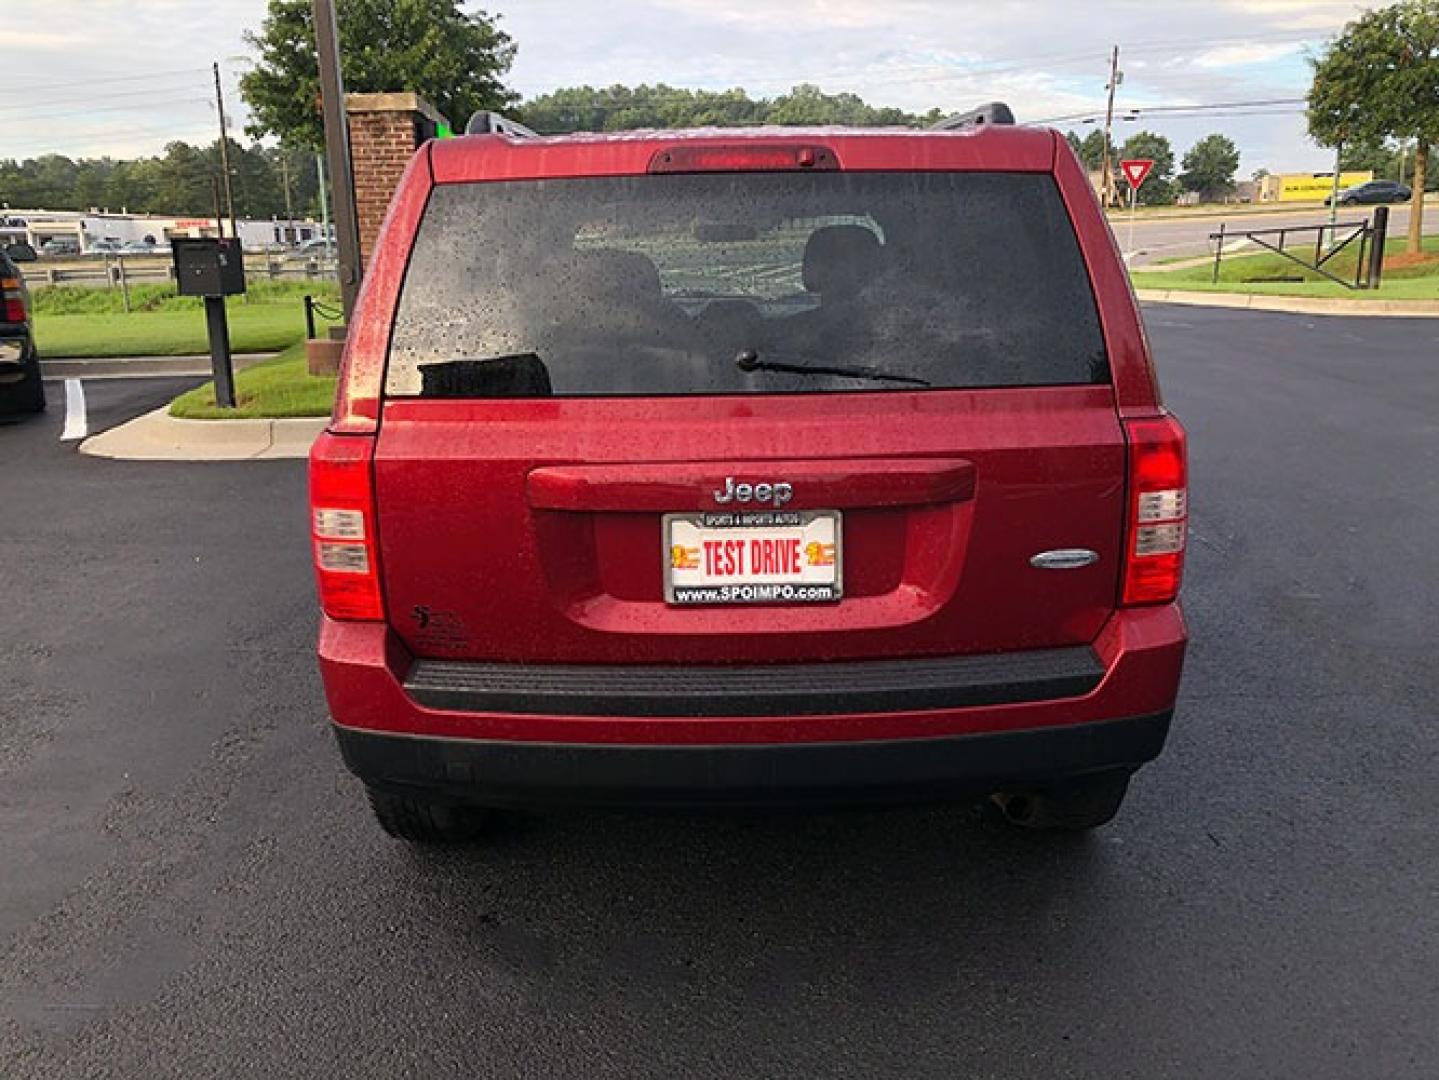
{"x": 158, "y": 436}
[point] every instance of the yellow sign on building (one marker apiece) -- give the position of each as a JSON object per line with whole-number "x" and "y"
{"x": 1308, "y": 187}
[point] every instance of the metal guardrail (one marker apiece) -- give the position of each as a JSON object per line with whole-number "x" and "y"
{"x": 118, "y": 273}
{"x": 1371, "y": 234}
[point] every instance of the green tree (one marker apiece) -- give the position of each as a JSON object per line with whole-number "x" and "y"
{"x": 182, "y": 182}
{"x": 807, "y": 104}
{"x": 1209, "y": 167}
{"x": 623, "y": 108}
{"x": 1375, "y": 155}
{"x": 454, "y": 59}
{"x": 1091, "y": 150}
{"x": 37, "y": 183}
{"x": 1379, "y": 80}
{"x": 1158, "y": 189}
{"x": 295, "y": 168}
{"x": 190, "y": 176}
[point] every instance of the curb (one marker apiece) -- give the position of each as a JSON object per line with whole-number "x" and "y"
{"x": 1296, "y": 305}
{"x": 158, "y": 436}
{"x": 1236, "y": 210}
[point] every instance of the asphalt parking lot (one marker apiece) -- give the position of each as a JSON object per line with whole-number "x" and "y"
{"x": 190, "y": 886}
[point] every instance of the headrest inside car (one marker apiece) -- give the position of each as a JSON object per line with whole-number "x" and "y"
{"x": 840, "y": 259}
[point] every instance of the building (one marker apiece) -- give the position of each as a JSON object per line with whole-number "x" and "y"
{"x": 1307, "y": 187}
{"x": 98, "y": 230}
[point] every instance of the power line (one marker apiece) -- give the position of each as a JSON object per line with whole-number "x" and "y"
{"x": 1139, "y": 110}
{"x": 1217, "y": 105}
{"x": 172, "y": 104}
{"x": 147, "y": 96}
{"x": 26, "y": 90}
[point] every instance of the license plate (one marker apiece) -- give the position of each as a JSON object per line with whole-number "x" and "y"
{"x": 759, "y": 557}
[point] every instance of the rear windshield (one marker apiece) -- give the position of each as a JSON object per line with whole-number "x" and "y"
{"x": 745, "y": 283}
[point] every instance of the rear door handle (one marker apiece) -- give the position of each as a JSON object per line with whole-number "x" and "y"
{"x": 831, "y": 484}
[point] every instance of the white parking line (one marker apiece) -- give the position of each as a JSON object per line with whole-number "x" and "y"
{"x": 76, "y": 424}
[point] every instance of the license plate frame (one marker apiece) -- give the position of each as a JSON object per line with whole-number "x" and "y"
{"x": 749, "y": 525}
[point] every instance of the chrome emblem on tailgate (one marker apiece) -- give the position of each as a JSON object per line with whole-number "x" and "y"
{"x": 1064, "y": 559}
{"x": 778, "y": 493}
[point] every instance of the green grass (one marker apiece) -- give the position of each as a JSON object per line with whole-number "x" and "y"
{"x": 91, "y": 323}
{"x": 1236, "y": 274}
{"x": 276, "y": 388}
{"x": 84, "y": 300}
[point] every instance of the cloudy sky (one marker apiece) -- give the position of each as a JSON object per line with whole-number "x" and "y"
{"x": 121, "y": 77}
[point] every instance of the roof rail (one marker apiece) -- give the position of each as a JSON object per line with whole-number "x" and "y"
{"x": 485, "y": 122}
{"x": 995, "y": 112}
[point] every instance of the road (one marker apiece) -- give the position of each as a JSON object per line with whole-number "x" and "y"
{"x": 1158, "y": 237}
{"x": 191, "y": 887}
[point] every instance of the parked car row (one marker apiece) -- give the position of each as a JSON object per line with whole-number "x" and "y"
{"x": 23, "y": 252}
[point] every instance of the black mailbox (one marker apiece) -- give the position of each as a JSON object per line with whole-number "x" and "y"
{"x": 209, "y": 267}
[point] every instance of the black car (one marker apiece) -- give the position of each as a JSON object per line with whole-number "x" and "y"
{"x": 20, "y": 386}
{"x": 1374, "y": 191}
{"x": 21, "y": 252}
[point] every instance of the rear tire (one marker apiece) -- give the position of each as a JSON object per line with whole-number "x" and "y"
{"x": 422, "y": 822}
{"x": 1074, "y": 805}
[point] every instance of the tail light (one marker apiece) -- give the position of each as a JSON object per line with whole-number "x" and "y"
{"x": 12, "y": 300}
{"x": 1158, "y": 511}
{"x": 342, "y": 527}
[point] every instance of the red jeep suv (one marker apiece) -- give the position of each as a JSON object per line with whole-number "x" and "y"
{"x": 743, "y": 467}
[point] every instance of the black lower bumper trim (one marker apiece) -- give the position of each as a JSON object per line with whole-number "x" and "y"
{"x": 528, "y": 774}
{"x": 872, "y": 686}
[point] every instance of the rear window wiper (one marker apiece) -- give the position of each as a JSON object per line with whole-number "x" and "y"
{"x": 749, "y": 360}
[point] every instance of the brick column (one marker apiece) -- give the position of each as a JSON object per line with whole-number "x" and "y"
{"x": 385, "y": 129}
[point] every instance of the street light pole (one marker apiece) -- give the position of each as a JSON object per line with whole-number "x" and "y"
{"x": 337, "y": 151}
{"x": 225, "y": 153}
{"x": 324, "y": 206}
{"x": 1334, "y": 192}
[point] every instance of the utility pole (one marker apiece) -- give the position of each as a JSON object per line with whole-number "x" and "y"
{"x": 324, "y": 204}
{"x": 1334, "y": 193}
{"x": 337, "y": 150}
{"x": 219, "y": 217}
{"x": 1107, "y": 175}
{"x": 285, "y": 179}
{"x": 225, "y": 153}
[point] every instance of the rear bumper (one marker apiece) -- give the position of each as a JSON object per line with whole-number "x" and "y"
{"x": 20, "y": 388}
{"x": 538, "y": 774}
{"x": 503, "y": 735}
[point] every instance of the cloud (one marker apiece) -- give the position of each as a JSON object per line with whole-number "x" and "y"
{"x": 1045, "y": 57}
{"x": 801, "y": 14}
{"x": 1324, "y": 15}
{"x": 1228, "y": 56}
{"x": 41, "y": 39}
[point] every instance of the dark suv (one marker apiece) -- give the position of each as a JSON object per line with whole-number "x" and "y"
{"x": 748, "y": 466}
{"x": 1373, "y": 192}
{"x": 20, "y": 387}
